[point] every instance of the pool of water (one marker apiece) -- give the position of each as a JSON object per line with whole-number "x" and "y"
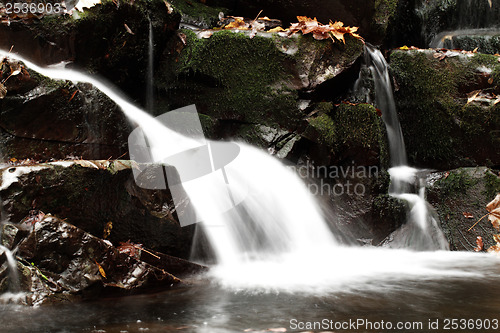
{"x": 202, "y": 305}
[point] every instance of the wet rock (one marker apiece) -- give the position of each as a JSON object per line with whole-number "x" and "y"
{"x": 97, "y": 40}
{"x": 459, "y": 194}
{"x": 446, "y": 106}
{"x": 43, "y": 119}
{"x": 71, "y": 261}
{"x": 94, "y": 196}
{"x": 11, "y": 234}
{"x": 263, "y": 85}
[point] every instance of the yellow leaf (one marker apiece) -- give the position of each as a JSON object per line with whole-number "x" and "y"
{"x": 101, "y": 270}
{"x": 277, "y": 29}
{"x": 107, "y": 229}
{"x": 406, "y": 48}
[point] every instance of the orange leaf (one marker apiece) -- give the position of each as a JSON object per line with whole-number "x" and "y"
{"x": 101, "y": 270}
{"x": 468, "y": 215}
{"x": 480, "y": 245}
{"x": 494, "y": 208}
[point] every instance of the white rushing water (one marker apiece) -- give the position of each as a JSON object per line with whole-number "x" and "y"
{"x": 276, "y": 238}
{"x": 421, "y": 231}
{"x": 13, "y": 274}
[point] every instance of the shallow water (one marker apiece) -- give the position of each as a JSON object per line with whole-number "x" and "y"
{"x": 467, "y": 288}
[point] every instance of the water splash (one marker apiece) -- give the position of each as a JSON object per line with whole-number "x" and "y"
{"x": 150, "y": 75}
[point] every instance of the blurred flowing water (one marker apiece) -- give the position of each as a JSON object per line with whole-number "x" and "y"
{"x": 277, "y": 260}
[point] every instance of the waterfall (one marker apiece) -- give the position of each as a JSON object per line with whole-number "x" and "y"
{"x": 276, "y": 237}
{"x": 13, "y": 275}
{"x": 150, "y": 75}
{"x": 421, "y": 232}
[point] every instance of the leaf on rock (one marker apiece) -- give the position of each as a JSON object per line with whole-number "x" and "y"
{"x": 101, "y": 270}
{"x": 3, "y": 91}
{"x": 495, "y": 248}
{"x": 494, "y": 208}
{"x": 133, "y": 250}
{"x": 238, "y": 23}
{"x": 468, "y": 215}
{"x": 277, "y": 29}
{"x": 128, "y": 29}
{"x": 107, "y": 229}
{"x": 472, "y": 96}
{"x": 480, "y": 245}
{"x": 320, "y": 31}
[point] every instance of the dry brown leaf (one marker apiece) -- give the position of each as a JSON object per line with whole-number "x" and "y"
{"x": 495, "y": 248}
{"x": 494, "y": 208}
{"x": 107, "y": 229}
{"x": 468, "y": 215}
{"x": 128, "y": 29}
{"x": 472, "y": 96}
{"x": 480, "y": 245}
{"x": 3, "y": 91}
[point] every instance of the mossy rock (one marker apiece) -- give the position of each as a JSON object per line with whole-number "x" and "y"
{"x": 234, "y": 78}
{"x": 352, "y": 132}
{"x": 441, "y": 129}
{"x": 459, "y": 194}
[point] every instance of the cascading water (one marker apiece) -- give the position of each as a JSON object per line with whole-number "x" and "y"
{"x": 467, "y": 25}
{"x": 422, "y": 231}
{"x": 276, "y": 239}
{"x": 13, "y": 275}
{"x": 149, "y": 77}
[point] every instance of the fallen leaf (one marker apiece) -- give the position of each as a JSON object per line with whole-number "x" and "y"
{"x": 480, "y": 245}
{"x": 404, "y": 47}
{"x": 495, "y": 248}
{"x": 3, "y": 91}
{"x": 277, "y": 29}
{"x": 73, "y": 95}
{"x": 130, "y": 248}
{"x": 107, "y": 229}
{"x": 472, "y": 96}
{"x": 468, "y": 215}
{"x": 101, "y": 270}
{"x": 128, "y": 29}
{"x": 170, "y": 9}
{"x": 475, "y": 50}
{"x": 494, "y": 208}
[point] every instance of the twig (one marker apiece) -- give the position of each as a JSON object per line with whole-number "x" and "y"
{"x": 142, "y": 249}
{"x": 478, "y": 221}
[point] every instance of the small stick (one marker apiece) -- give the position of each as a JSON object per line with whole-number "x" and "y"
{"x": 478, "y": 222}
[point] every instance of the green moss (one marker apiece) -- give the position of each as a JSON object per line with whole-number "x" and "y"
{"x": 384, "y": 10}
{"x": 249, "y": 71}
{"x": 492, "y": 184}
{"x": 325, "y": 126}
{"x": 455, "y": 184}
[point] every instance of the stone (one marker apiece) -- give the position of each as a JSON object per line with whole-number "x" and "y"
{"x": 457, "y": 193}
{"x": 92, "y": 194}
{"x": 444, "y": 126}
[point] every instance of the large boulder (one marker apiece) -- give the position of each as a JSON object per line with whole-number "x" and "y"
{"x": 447, "y": 107}
{"x": 41, "y": 118}
{"x": 100, "y": 197}
{"x": 59, "y": 262}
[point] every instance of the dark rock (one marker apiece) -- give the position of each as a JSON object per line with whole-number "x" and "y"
{"x": 459, "y": 191}
{"x": 442, "y": 130}
{"x": 97, "y": 40}
{"x": 44, "y": 119}
{"x": 93, "y": 195}
{"x": 71, "y": 261}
